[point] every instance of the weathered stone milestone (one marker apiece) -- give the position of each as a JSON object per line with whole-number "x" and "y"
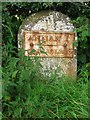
{"x": 53, "y": 32}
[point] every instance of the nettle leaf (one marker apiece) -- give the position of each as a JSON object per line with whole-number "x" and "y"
{"x": 84, "y": 33}
{"x": 75, "y": 43}
{"x": 14, "y": 61}
{"x": 42, "y": 51}
{"x": 14, "y": 74}
{"x": 33, "y": 51}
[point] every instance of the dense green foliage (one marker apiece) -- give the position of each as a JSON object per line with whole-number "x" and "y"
{"x": 26, "y": 93}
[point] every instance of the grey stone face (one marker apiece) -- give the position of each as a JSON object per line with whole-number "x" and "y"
{"x": 55, "y": 22}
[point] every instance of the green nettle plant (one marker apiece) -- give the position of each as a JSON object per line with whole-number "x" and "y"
{"x": 26, "y": 93}
{"x": 82, "y": 24}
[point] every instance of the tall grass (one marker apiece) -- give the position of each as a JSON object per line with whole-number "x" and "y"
{"x": 27, "y": 94}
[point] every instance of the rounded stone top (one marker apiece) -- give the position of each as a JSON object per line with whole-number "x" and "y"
{"x": 46, "y": 21}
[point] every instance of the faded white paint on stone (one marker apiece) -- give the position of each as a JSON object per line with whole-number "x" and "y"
{"x": 56, "y": 22}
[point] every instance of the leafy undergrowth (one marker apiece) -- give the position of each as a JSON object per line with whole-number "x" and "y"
{"x": 27, "y": 94}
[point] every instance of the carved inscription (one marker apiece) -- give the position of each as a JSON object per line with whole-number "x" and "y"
{"x": 48, "y": 44}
